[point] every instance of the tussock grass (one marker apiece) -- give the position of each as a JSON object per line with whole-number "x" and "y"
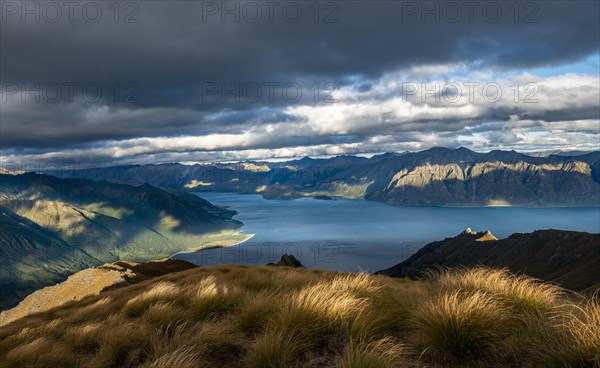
{"x": 116, "y": 345}
{"x": 213, "y": 299}
{"x": 83, "y": 338}
{"x": 572, "y": 339}
{"x": 42, "y": 353}
{"x": 585, "y": 328}
{"x": 181, "y": 358}
{"x": 92, "y": 310}
{"x": 219, "y": 343}
{"x": 329, "y": 312}
{"x": 163, "y": 291}
{"x": 164, "y": 313}
{"x": 383, "y": 353}
{"x": 255, "y": 312}
{"x": 275, "y": 349}
{"x": 462, "y": 325}
{"x": 230, "y": 316}
{"x": 520, "y": 292}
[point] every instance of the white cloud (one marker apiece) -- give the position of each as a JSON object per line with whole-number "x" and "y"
{"x": 376, "y": 120}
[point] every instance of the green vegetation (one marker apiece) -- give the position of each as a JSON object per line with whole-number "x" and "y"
{"x": 53, "y": 227}
{"x": 243, "y": 316}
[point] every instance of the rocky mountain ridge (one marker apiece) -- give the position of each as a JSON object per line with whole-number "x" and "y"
{"x": 437, "y": 176}
{"x": 568, "y": 258}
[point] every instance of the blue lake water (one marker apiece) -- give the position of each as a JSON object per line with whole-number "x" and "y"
{"x": 352, "y": 234}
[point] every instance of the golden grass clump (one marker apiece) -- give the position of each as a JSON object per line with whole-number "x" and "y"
{"x": 255, "y": 312}
{"x": 462, "y": 325}
{"x": 328, "y": 303}
{"x": 521, "y": 292}
{"x": 184, "y": 357}
{"x": 571, "y": 338}
{"x": 219, "y": 343}
{"x": 42, "y": 353}
{"x": 275, "y": 349}
{"x": 586, "y": 331}
{"x": 361, "y": 284}
{"x": 83, "y": 338}
{"x": 213, "y": 299}
{"x": 584, "y": 327}
{"x": 164, "y": 313}
{"x": 162, "y": 291}
{"x": 382, "y": 353}
{"x": 324, "y": 309}
{"x": 121, "y": 342}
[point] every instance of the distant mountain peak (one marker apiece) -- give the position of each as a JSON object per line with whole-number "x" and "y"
{"x": 486, "y": 236}
{"x": 5, "y": 171}
{"x": 468, "y": 231}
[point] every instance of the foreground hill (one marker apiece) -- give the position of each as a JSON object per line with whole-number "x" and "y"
{"x": 568, "y": 258}
{"x": 54, "y": 227}
{"x": 242, "y": 316}
{"x": 90, "y": 282}
{"x": 438, "y": 176}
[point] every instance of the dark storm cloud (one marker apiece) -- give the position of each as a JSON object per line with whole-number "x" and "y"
{"x": 171, "y": 50}
{"x": 176, "y": 52}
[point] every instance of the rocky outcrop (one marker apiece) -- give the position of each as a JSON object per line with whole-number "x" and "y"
{"x": 92, "y": 282}
{"x": 287, "y": 260}
{"x": 568, "y": 258}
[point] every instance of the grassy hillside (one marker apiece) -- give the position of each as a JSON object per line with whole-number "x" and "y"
{"x": 241, "y": 316}
{"x": 54, "y": 227}
{"x": 23, "y": 243}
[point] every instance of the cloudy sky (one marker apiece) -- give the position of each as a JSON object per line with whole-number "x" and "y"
{"x": 97, "y": 83}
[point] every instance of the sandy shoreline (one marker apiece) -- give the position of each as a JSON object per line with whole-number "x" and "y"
{"x": 207, "y": 247}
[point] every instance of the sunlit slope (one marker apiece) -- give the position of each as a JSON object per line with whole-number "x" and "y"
{"x": 90, "y": 282}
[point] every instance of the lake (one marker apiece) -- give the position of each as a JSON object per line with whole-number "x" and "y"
{"x": 353, "y": 234}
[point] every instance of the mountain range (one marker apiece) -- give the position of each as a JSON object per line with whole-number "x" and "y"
{"x": 437, "y": 176}
{"x": 53, "y": 226}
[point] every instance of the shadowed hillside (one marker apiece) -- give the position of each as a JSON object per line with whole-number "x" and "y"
{"x": 568, "y": 258}
{"x": 241, "y": 316}
{"x": 23, "y": 244}
{"x": 54, "y": 227}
